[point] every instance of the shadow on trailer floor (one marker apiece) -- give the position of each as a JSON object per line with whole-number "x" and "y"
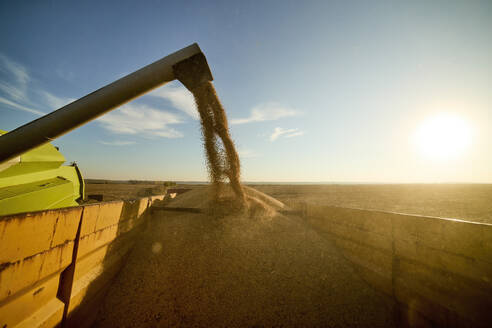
{"x": 189, "y": 269}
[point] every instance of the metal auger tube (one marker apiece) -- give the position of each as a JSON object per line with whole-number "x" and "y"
{"x": 95, "y": 104}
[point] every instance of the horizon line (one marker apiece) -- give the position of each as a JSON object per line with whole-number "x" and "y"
{"x": 296, "y": 182}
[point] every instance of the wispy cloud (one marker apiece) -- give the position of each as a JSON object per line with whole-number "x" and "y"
{"x": 13, "y": 91}
{"x": 285, "y": 133}
{"x": 143, "y": 120}
{"x": 179, "y": 97}
{"x": 21, "y": 107}
{"x": 14, "y": 79}
{"x": 267, "y": 112}
{"x": 55, "y": 102}
{"x": 117, "y": 143}
{"x": 18, "y": 71}
{"x": 14, "y": 84}
{"x": 132, "y": 119}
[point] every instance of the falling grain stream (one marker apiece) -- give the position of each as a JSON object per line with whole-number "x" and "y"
{"x": 239, "y": 263}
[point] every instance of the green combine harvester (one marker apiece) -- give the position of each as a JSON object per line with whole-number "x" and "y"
{"x": 38, "y": 180}
{"x": 32, "y": 174}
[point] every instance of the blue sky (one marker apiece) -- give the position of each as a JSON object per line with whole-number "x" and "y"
{"x": 314, "y": 91}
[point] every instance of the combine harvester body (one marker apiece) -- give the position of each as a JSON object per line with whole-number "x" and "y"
{"x": 44, "y": 230}
{"x": 37, "y": 180}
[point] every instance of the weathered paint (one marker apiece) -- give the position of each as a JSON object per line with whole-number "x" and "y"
{"x": 37, "y": 249}
{"x": 28, "y": 234}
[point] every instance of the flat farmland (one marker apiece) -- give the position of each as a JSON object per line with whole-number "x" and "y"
{"x": 123, "y": 191}
{"x": 471, "y": 202}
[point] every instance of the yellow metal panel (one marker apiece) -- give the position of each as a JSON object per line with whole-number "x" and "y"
{"x": 16, "y": 276}
{"x": 50, "y": 315}
{"x": 369, "y": 258}
{"x": 458, "y": 237}
{"x": 439, "y": 268}
{"x": 86, "y": 286}
{"x": 367, "y": 238}
{"x": 116, "y": 247}
{"x": 102, "y": 237}
{"x": 378, "y": 222}
{"x": 378, "y": 281}
{"x": 90, "y": 215}
{"x": 25, "y": 305}
{"x": 469, "y": 267}
{"x": 447, "y": 290}
{"x": 418, "y": 309}
{"x": 109, "y": 214}
{"x": 37, "y": 247}
{"x": 28, "y": 234}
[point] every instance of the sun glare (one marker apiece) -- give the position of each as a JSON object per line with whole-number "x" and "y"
{"x": 443, "y": 137}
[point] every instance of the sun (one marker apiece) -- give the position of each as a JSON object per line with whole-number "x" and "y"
{"x": 443, "y": 137}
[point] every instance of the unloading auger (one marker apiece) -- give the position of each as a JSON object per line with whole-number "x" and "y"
{"x": 31, "y": 173}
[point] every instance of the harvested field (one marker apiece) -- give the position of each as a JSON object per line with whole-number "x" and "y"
{"x": 194, "y": 270}
{"x": 124, "y": 191}
{"x": 461, "y": 201}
